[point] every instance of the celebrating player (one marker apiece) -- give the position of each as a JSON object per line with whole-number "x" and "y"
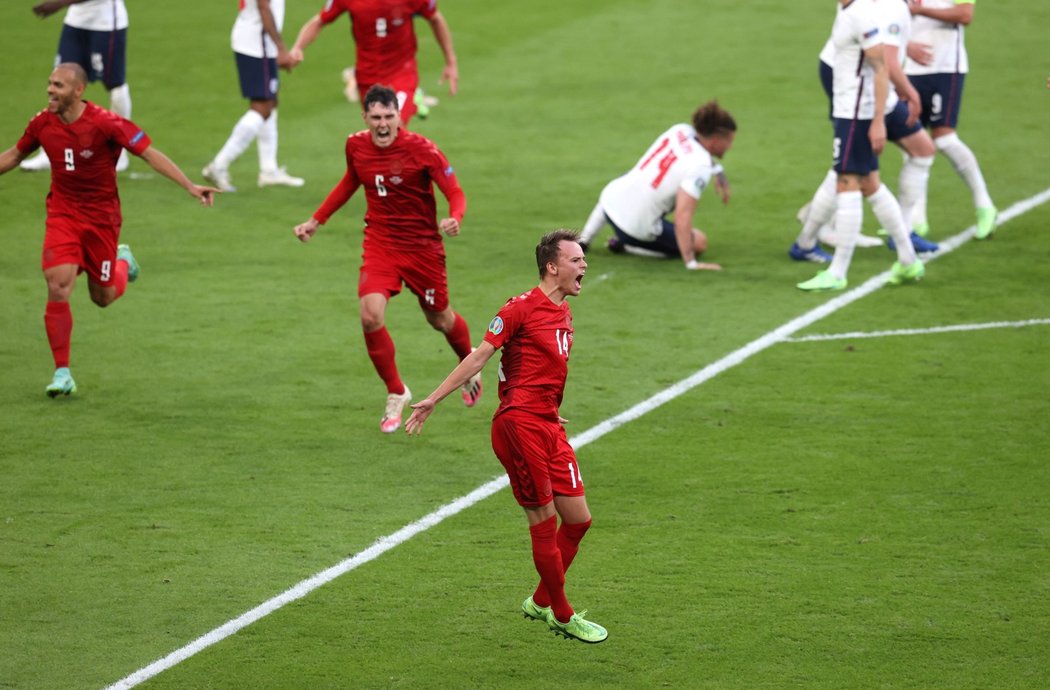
{"x": 859, "y": 91}
{"x": 528, "y": 436}
{"x": 82, "y": 142}
{"x": 385, "y": 44}
{"x": 259, "y": 50}
{"x": 670, "y": 176}
{"x": 95, "y": 36}
{"x": 402, "y": 242}
{"x": 937, "y": 66}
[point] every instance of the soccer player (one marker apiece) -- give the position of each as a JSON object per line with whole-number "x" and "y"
{"x": 95, "y": 36}
{"x": 528, "y": 435}
{"x": 385, "y": 44}
{"x": 860, "y": 88}
{"x": 258, "y": 50}
{"x": 938, "y": 70}
{"x": 902, "y": 128}
{"x": 402, "y": 243}
{"x": 83, "y": 141}
{"x": 670, "y": 176}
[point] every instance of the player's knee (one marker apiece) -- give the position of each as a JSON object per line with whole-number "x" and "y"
{"x": 699, "y": 242}
{"x": 371, "y": 321}
{"x": 441, "y": 320}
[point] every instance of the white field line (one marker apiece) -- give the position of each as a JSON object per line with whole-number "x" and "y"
{"x": 384, "y": 544}
{"x": 918, "y": 331}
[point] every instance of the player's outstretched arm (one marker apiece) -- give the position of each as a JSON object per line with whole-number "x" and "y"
{"x": 471, "y": 364}
{"x": 46, "y": 9}
{"x": 307, "y": 35}
{"x": 443, "y": 34}
{"x": 166, "y": 167}
{"x": 10, "y": 158}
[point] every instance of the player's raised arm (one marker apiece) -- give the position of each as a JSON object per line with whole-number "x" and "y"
{"x": 167, "y": 167}
{"x": 468, "y": 367}
{"x": 10, "y": 159}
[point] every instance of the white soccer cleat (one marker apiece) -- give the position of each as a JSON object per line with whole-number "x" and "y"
{"x": 471, "y": 390}
{"x": 395, "y": 404}
{"x": 279, "y": 177}
{"x": 36, "y": 163}
{"x": 220, "y": 177}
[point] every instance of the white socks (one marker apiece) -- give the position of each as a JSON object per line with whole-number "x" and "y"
{"x": 821, "y": 211}
{"x": 849, "y": 214}
{"x": 889, "y": 214}
{"x": 595, "y": 223}
{"x": 911, "y": 189}
{"x": 120, "y": 101}
{"x": 965, "y": 163}
{"x": 268, "y": 144}
{"x": 244, "y": 133}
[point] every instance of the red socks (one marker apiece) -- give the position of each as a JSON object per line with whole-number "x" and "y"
{"x": 568, "y": 541}
{"x": 120, "y": 276}
{"x": 459, "y": 337}
{"x": 381, "y": 349}
{"x": 58, "y": 322}
{"x": 547, "y": 557}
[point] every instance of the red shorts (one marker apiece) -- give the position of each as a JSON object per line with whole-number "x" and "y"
{"x": 383, "y": 271}
{"x": 538, "y": 458}
{"x": 89, "y": 245}
{"x": 404, "y": 85}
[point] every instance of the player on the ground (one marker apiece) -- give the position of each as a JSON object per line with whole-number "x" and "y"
{"x": 385, "y": 44}
{"x": 528, "y": 435}
{"x": 83, "y": 141}
{"x": 860, "y": 88}
{"x": 670, "y": 176}
{"x": 95, "y": 36}
{"x": 402, "y": 243}
{"x": 937, "y": 65}
{"x": 259, "y": 51}
{"x": 902, "y": 128}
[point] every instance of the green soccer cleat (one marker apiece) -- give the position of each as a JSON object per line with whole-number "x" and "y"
{"x": 422, "y": 107}
{"x": 986, "y": 216}
{"x": 536, "y": 613}
{"x": 823, "y": 281}
{"x": 578, "y": 628}
{"x": 124, "y": 254}
{"x": 61, "y": 384}
{"x": 921, "y": 229}
{"x": 906, "y": 274}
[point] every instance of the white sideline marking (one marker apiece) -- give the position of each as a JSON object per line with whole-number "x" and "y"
{"x": 384, "y": 544}
{"x": 919, "y": 331}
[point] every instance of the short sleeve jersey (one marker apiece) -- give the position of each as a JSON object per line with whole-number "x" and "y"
{"x": 536, "y": 336}
{"x": 248, "y": 36}
{"x": 399, "y": 187}
{"x": 896, "y": 32}
{"x": 948, "y": 41}
{"x": 858, "y": 27}
{"x": 98, "y": 15}
{"x": 384, "y": 37}
{"x": 83, "y": 159}
{"x": 638, "y": 200}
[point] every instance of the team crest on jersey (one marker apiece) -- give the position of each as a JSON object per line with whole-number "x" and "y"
{"x": 496, "y": 326}
{"x": 894, "y": 29}
{"x": 449, "y": 171}
{"x": 396, "y": 179}
{"x": 87, "y": 153}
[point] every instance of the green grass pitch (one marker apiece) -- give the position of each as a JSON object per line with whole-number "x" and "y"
{"x": 853, "y": 513}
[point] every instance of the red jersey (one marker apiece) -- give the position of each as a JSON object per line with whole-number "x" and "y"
{"x": 83, "y": 159}
{"x": 384, "y": 37}
{"x": 398, "y": 182}
{"x": 536, "y": 336}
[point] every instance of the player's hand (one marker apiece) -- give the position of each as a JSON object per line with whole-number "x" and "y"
{"x": 420, "y": 411}
{"x": 695, "y": 265}
{"x": 296, "y": 55}
{"x": 451, "y": 75}
{"x": 449, "y": 226}
{"x": 877, "y": 135}
{"x": 722, "y": 187}
{"x": 285, "y": 60}
{"x": 304, "y": 231}
{"x": 205, "y": 194}
{"x": 562, "y": 420}
{"x": 46, "y": 9}
{"x": 921, "y": 53}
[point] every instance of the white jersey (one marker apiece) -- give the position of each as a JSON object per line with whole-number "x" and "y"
{"x": 98, "y": 15}
{"x": 248, "y": 36}
{"x": 637, "y": 201}
{"x": 897, "y": 33}
{"x": 858, "y": 26}
{"x": 947, "y": 40}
